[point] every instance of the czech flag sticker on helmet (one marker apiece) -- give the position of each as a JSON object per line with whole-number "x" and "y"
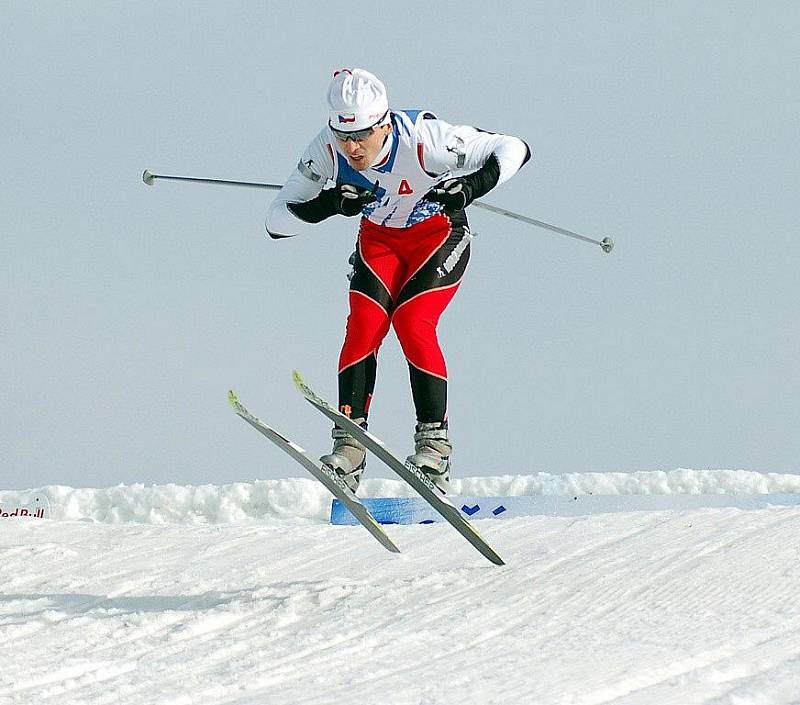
{"x": 357, "y": 100}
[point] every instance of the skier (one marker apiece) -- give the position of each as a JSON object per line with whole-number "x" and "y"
{"x": 409, "y": 176}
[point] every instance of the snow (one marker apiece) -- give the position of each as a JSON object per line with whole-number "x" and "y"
{"x": 243, "y": 595}
{"x": 305, "y": 499}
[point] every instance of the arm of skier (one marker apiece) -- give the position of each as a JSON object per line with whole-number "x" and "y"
{"x": 472, "y": 161}
{"x": 281, "y": 222}
{"x": 303, "y": 200}
{"x": 314, "y": 170}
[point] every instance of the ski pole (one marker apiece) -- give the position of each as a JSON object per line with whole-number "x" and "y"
{"x": 149, "y": 177}
{"x": 607, "y": 244}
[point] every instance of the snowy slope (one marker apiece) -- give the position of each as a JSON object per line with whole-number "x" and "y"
{"x": 636, "y": 608}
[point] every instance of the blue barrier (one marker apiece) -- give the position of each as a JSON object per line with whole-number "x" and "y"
{"x": 415, "y": 510}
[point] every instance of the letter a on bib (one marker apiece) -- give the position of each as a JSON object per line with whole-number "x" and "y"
{"x": 404, "y": 188}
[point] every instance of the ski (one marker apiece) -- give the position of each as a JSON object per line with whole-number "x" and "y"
{"x": 408, "y": 472}
{"x": 325, "y": 475}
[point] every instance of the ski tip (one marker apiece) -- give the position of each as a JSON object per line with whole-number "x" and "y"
{"x": 233, "y": 400}
{"x": 300, "y": 384}
{"x": 306, "y": 391}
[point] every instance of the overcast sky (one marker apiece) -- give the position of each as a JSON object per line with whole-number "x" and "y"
{"x": 128, "y": 311}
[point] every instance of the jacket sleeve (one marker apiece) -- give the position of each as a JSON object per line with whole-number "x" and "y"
{"x": 457, "y": 150}
{"x": 313, "y": 171}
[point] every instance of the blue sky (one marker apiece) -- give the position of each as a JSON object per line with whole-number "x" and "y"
{"x": 129, "y": 311}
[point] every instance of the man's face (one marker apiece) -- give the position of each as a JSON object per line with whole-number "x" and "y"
{"x": 361, "y": 154}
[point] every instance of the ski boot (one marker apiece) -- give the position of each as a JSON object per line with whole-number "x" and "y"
{"x": 348, "y": 456}
{"x": 432, "y": 453}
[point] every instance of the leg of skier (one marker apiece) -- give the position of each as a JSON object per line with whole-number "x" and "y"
{"x": 376, "y": 272}
{"x": 434, "y": 281}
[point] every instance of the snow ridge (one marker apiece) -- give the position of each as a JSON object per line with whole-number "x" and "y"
{"x": 305, "y": 500}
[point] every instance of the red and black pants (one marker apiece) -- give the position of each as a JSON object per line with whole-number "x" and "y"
{"x": 405, "y": 278}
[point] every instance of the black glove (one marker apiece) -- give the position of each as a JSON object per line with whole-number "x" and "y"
{"x": 342, "y": 199}
{"x": 454, "y": 194}
{"x": 457, "y": 193}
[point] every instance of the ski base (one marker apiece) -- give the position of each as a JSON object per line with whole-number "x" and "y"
{"x": 322, "y": 473}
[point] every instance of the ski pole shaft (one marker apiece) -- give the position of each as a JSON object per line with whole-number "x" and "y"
{"x": 149, "y": 177}
{"x": 607, "y": 244}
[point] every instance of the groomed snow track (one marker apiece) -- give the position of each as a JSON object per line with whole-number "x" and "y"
{"x": 674, "y": 608}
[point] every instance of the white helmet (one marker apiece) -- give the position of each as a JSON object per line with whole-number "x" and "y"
{"x": 357, "y": 101}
